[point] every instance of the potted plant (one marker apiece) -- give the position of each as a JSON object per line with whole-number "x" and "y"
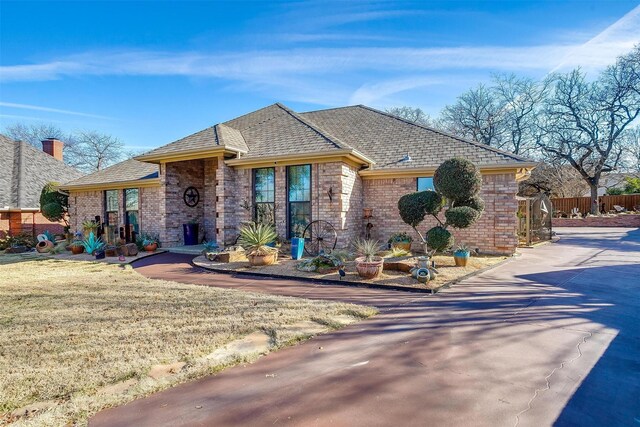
{"x": 77, "y": 247}
{"x": 190, "y": 232}
{"x": 461, "y": 255}
{"x": 210, "y": 250}
{"x": 89, "y": 226}
{"x": 400, "y": 241}
{"x": 369, "y": 265}
{"x": 254, "y": 238}
{"x": 93, "y": 245}
{"x": 150, "y": 244}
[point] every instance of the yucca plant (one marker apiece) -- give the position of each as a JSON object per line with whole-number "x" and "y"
{"x": 91, "y": 244}
{"x": 254, "y": 238}
{"x": 367, "y": 248}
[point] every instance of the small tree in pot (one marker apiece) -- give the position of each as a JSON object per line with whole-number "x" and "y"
{"x": 369, "y": 265}
{"x": 456, "y": 180}
{"x": 255, "y": 238}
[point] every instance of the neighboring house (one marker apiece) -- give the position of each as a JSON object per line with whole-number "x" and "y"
{"x": 612, "y": 180}
{"x": 24, "y": 171}
{"x": 321, "y": 165}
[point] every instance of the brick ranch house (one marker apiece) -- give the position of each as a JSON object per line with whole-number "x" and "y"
{"x": 24, "y": 171}
{"x": 327, "y": 164}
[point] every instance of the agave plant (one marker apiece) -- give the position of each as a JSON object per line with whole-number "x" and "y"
{"x": 89, "y": 225}
{"x": 367, "y": 248}
{"x": 49, "y": 236}
{"x": 91, "y": 244}
{"x": 254, "y": 238}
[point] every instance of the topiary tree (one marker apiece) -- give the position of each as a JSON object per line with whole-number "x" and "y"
{"x": 456, "y": 180}
{"x": 54, "y": 204}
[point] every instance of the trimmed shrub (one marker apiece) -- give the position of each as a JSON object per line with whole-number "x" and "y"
{"x": 475, "y": 202}
{"x": 439, "y": 239}
{"x": 53, "y": 203}
{"x": 413, "y": 207}
{"x": 457, "y": 179}
{"x": 461, "y": 217}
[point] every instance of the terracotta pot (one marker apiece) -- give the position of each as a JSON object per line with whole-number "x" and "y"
{"x": 402, "y": 245}
{"x": 77, "y": 250}
{"x": 44, "y": 246}
{"x": 151, "y": 248}
{"x": 369, "y": 269}
{"x": 461, "y": 260}
{"x": 257, "y": 260}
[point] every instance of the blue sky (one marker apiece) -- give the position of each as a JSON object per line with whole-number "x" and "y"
{"x": 150, "y": 72}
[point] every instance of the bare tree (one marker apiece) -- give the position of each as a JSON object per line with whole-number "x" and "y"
{"x": 415, "y": 115}
{"x": 555, "y": 180}
{"x": 585, "y": 122}
{"x": 478, "y": 115}
{"x": 34, "y": 133}
{"x": 87, "y": 151}
{"x": 520, "y": 99}
{"x": 92, "y": 151}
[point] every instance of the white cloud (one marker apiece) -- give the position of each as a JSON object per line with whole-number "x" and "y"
{"x": 370, "y": 93}
{"x": 50, "y": 110}
{"x": 602, "y": 50}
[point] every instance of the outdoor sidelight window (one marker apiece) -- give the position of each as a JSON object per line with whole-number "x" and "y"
{"x": 425, "y": 184}
{"x": 298, "y": 198}
{"x": 264, "y": 195}
{"x": 131, "y": 214}
{"x": 111, "y": 207}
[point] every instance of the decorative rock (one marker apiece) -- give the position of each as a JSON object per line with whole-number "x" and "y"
{"x": 16, "y": 249}
{"x": 111, "y": 251}
{"x": 130, "y": 249}
{"x": 234, "y": 256}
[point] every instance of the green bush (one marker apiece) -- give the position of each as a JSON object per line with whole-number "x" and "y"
{"x": 53, "y": 204}
{"x": 439, "y": 239}
{"x": 474, "y": 202}
{"x": 22, "y": 239}
{"x": 457, "y": 179}
{"x": 461, "y": 217}
{"x": 414, "y": 206}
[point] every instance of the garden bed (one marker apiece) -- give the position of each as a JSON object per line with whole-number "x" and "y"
{"x": 286, "y": 268}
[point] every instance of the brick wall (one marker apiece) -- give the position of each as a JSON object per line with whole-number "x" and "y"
{"x": 175, "y": 179}
{"x": 33, "y": 223}
{"x": 599, "y": 221}
{"x": 86, "y": 205}
{"x": 495, "y": 232}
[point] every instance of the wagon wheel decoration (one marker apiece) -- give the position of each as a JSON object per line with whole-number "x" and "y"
{"x": 320, "y": 237}
{"x": 191, "y": 197}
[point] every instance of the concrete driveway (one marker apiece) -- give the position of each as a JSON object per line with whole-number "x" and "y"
{"x": 550, "y": 338}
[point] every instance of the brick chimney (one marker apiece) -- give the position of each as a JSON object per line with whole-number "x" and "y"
{"x": 53, "y": 147}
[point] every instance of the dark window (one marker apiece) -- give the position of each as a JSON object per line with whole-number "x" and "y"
{"x": 111, "y": 206}
{"x": 299, "y": 198}
{"x": 131, "y": 214}
{"x": 264, "y": 195}
{"x": 425, "y": 184}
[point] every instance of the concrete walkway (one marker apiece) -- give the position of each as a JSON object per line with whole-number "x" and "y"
{"x": 550, "y": 338}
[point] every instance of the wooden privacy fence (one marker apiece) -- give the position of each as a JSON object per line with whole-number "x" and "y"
{"x": 566, "y": 204}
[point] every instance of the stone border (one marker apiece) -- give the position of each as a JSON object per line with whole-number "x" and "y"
{"x": 352, "y": 283}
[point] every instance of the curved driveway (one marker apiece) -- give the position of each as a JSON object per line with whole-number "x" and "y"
{"x": 550, "y": 338}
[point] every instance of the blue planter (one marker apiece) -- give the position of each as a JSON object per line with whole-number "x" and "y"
{"x": 190, "y": 232}
{"x": 100, "y": 254}
{"x": 297, "y": 247}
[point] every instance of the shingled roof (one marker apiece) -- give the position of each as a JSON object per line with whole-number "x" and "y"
{"x": 123, "y": 172}
{"x": 388, "y": 139}
{"x": 373, "y": 135}
{"x": 24, "y": 171}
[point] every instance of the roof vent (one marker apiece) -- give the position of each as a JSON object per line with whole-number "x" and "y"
{"x": 406, "y": 158}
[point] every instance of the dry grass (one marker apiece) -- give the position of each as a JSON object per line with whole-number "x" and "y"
{"x": 444, "y": 263}
{"x": 68, "y": 329}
